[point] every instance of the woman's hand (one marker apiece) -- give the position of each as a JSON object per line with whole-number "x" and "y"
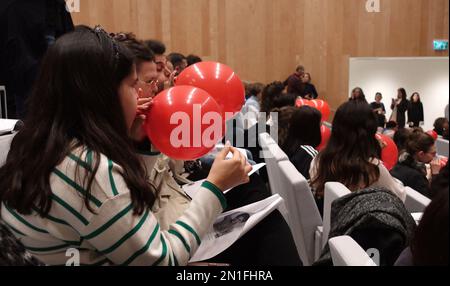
{"x": 144, "y": 103}
{"x": 435, "y": 166}
{"x": 227, "y": 174}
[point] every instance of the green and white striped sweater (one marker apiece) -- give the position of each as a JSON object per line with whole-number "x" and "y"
{"x": 112, "y": 235}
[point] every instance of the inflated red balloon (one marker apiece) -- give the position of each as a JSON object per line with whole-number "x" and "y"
{"x": 389, "y": 153}
{"x": 303, "y": 102}
{"x": 443, "y": 161}
{"x": 326, "y": 134}
{"x": 184, "y": 123}
{"x": 433, "y": 134}
{"x": 323, "y": 107}
{"x": 219, "y": 80}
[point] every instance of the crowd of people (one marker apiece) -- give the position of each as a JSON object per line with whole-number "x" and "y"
{"x": 82, "y": 174}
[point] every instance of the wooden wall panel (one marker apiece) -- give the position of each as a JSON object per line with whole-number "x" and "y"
{"x": 264, "y": 40}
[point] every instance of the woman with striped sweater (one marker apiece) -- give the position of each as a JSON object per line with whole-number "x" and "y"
{"x": 75, "y": 179}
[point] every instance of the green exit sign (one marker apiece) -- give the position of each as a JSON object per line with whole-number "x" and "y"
{"x": 440, "y": 45}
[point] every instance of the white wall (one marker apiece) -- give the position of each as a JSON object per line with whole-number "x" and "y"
{"x": 428, "y": 76}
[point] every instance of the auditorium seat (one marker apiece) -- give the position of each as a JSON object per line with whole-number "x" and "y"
{"x": 415, "y": 201}
{"x": 5, "y": 143}
{"x": 347, "y": 252}
{"x": 442, "y": 146}
{"x": 304, "y": 217}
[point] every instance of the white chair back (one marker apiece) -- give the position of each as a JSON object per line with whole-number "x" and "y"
{"x": 304, "y": 216}
{"x": 347, "y": 252}
{"x": 415, "y": 201}
{"x": 442, "y": 146}
{"x": 5, "y": 144}
{"x": 333, "y": 191}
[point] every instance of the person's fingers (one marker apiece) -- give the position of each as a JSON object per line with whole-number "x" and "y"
{"x": 223, "y": 153}
{"x": 140, "y": 93}
{"x": 236, "y": 154}
{"x": 243, "y": 161}
{"x": 248, "y": 169}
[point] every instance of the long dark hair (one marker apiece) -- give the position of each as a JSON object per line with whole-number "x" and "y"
{"x": 412, "y": 98}
{"x": 75, "y": 99}
{"x": 403, "y": 93}
{"x": 304, "y": 129}
{"x": 352, "y": 146}
{"x": 430, "y": 244}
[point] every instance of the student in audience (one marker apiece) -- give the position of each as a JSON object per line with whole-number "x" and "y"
{"x": 309, "y": 90}
{"x": 379, "y": 110}
{"x": 164, "y": 73}
{"x": 391, "y": 129}
{"x": 420, "y": 149}
{"x": 144, "y": 59}
{"x": 358, "y": 95}
{"x": 283, "y": 121}
{"x": 252, "y": 105}
{"x": 91, "y": 105}
{"x": 441, "y": 126}
{"x": 294, "y": 82}
{"x": 302, "y": 138}
{"x": 376, "y": 219}
{"x": 178, "y": 61}
{"x": 269, "y": 94}
{"x": 415, "y": 111}
{"x": 95, "y": 194}
{"x": 399, "y": 107}
{"x": 352, "y": 154}
{"x": 193, "y": 59}
{"x": 429, "y": 246}
{"x": 400, "y": 138}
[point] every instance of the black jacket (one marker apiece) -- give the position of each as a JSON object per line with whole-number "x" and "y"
{"x": 401, "y": 113}
{"x": 310, "y": 89}
{"x": 27, "y": 27}
{"x": 412, "y": 174}
{"x": 415, "y": 113}
{"x": 374, "y": 218}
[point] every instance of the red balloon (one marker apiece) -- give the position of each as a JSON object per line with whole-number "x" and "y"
{"x": 443, "y": 161}
{"x": 389, "y": 153}
{"x": 323, "y": 107}
{"x": 184, "y": 123}
{"x": 433, "y": 134}
{"x": 220, "y": 81}
{"x": 303, "y": 102}
{"x": 326, "y": 134}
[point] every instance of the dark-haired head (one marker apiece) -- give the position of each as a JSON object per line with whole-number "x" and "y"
{"x": 144, "y": 60}
{"x": 178, "y": 61}
{"x": 87, "y": 88}
{"x": 157, "y": 47}
{"x": 441, "y": 126}
{"x": 402, "y": 94}
{"x": 415, "y": 97}
{"x": 401, "y": 138}
{"x": 304, "y": 129}
{"x": 358, "y": 95}
{"x": 348, "y": 157}
{"x": 193, "y": 59}
{"x": 421, "y": 146}
{"x": 269, "y": 94}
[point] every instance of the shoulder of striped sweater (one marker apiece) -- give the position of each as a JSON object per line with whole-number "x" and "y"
{"x": 108, "y": 181}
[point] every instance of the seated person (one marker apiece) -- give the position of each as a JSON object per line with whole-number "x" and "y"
{"x": 429, "y": 246}
{"x": 411, "y": 168}
{"x": 391, "y": 129}
{"x": 94, "y": 191}
{"x": 352, "y": 155}
{"x": 303, "y": 137}
{"x": 376, "y": 219}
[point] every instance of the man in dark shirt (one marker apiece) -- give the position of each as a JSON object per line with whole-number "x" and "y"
{"x": 294, "y": 82}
